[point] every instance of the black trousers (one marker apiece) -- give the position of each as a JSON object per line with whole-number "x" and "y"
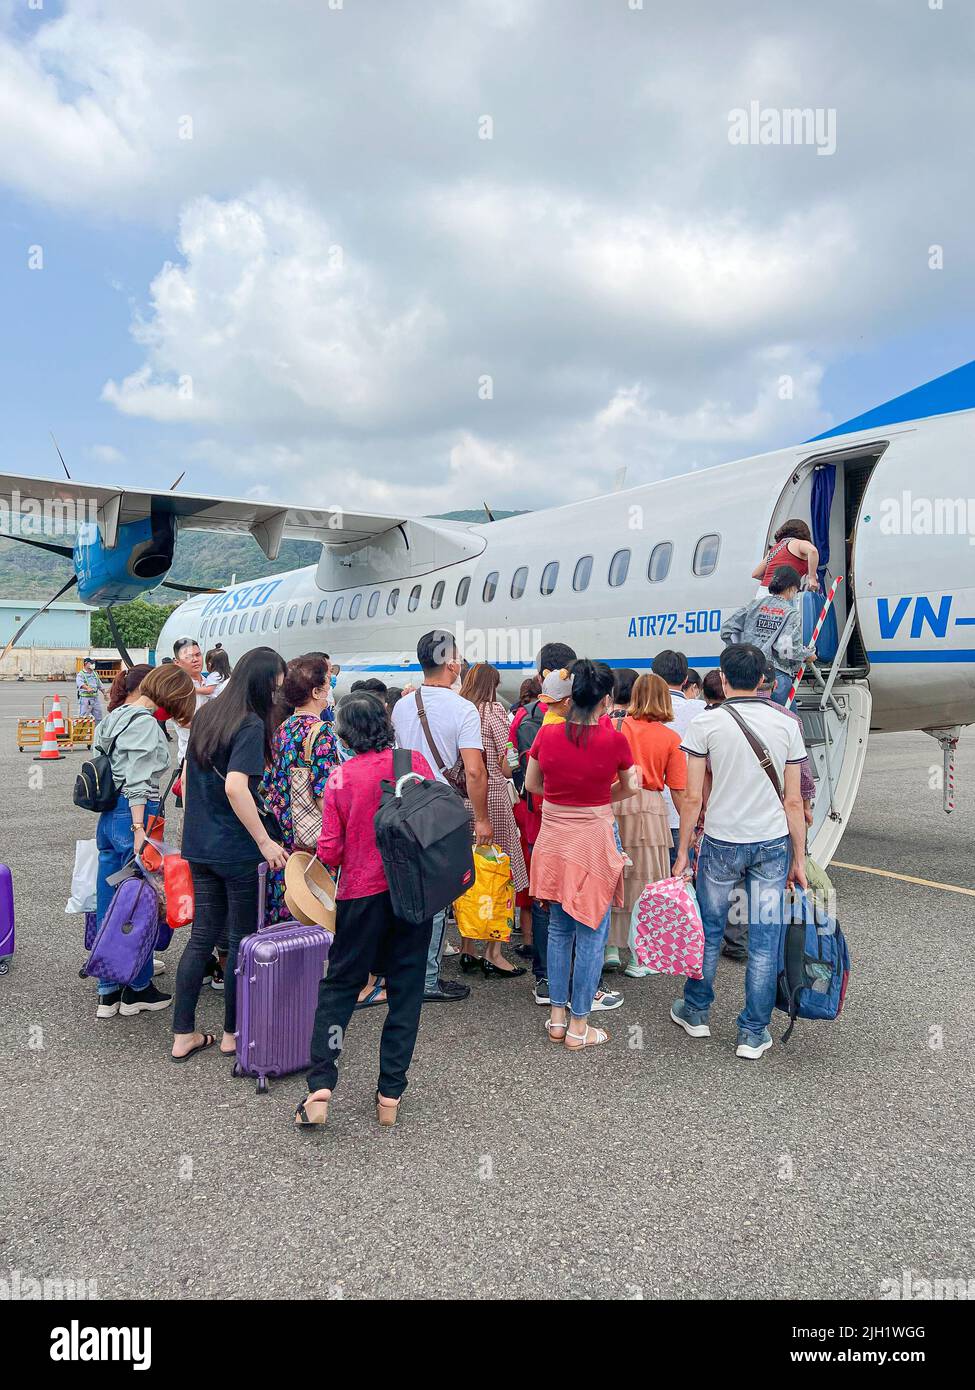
{"x": 370, "y": 938}
{"x": 224, "y": 904}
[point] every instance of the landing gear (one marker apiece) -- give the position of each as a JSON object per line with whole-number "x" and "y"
{"x": 948, "y": 739}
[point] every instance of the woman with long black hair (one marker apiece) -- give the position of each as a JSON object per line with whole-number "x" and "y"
{"x": 224, "y": 839}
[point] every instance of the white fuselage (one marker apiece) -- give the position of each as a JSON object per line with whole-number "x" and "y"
{"x": 909, "y": 568}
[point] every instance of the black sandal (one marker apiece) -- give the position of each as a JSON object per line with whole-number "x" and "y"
{"x": 208, "y": 1041}
{"x": 301, "y": 1115}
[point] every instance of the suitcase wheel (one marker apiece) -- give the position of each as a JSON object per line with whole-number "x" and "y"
{"x": 4, "y": 967}
{"x": 262, "y": 1085}
{"x": 235, "y": 1070}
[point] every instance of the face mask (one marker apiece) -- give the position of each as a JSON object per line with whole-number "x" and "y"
{"x": 457, "y": 684}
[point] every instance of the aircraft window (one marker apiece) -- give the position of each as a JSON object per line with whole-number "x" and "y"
{"x": 660, "y": 558}
{"x": 337, "y": 609}
{"x": 373, "y": 603}
{"x": 305, "y": 615}
{"x": 233, "y": 625}
{"x": 223, "y": 626}
{"x": 581, "y": 574}
{"x": 550, "y": 577}
{"x": 463, "y": 589}
{"x": 392, "y": 601}
{"x": 266, "y": 621}
{"x": 414, "y": 602}
{"x": 354, "y": 607}
{"x": 518, "y": 581}
{"x": 255, "y": 619}
{"x": 706, "y": 554}
{"x": 292, "y": 614}
{"x": 279, "y": 616}
{"x": 619, "y": 568}
{"x": 436, "y": 598}
{"x": 322, "y": 610}
{"x": 490, "y": 586}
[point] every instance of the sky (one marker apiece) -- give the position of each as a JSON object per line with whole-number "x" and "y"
{"x": 414, "y": 256}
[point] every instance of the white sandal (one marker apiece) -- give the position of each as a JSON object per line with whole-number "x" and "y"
{"x": 549, "y": 1025}
{"x": 592, "y": 1037}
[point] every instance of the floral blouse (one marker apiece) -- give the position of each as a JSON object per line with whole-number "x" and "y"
{"x": 286, "y": 747}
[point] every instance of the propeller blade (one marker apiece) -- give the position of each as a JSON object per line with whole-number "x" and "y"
{"x": 23, "y": 628}
{"x": 178, "y": 481}
{"x": 39, "y": 545}
{"x": 490, "y": 515}
{"x": 117, "y": 637}
{"x": 61, "y": 457}
{"x": 188, "y": 588}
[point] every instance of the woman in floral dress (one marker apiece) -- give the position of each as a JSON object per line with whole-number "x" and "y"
{"x": 304, "y": 691}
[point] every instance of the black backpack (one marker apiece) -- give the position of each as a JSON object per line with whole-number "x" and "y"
{"x": 525, "y": 736}
{"x": 94, "y": 787}
{"x": 423, "y": 832}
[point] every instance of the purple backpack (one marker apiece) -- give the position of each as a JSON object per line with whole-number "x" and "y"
{"x": 128, "y": 933}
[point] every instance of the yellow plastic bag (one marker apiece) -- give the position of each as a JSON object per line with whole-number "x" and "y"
{"x": 486, "y": 912}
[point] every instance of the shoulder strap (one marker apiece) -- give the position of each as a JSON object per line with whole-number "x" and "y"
{"x": 758, "y": 748}
{"x": 618, "y": 723}
{"x": 307, "y": 748}
{"x": 428, "y": 735}
{"x": 402, "y": 763}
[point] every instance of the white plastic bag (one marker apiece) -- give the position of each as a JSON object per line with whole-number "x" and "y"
{"x": 84, "y": 880}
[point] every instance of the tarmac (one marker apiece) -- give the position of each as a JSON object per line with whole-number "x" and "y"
{"x": 655, "y": 1167}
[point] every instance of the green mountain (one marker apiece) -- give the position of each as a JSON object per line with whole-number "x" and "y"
{"x": 204, "y": 558}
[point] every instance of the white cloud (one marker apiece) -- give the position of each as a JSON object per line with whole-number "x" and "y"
{"x": 105, "y": 453}
{"x": 634, "y": 285}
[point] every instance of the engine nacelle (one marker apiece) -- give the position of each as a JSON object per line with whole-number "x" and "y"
{"x": 140, "y": 560}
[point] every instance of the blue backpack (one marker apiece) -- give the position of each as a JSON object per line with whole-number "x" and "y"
{"x": 814, "y": 963}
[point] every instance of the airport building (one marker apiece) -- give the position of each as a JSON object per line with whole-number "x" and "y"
{"x": 63, "y": 625}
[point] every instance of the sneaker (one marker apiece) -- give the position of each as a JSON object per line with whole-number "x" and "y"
{"x": 693, "y": 1021}
{"x": 611, "y": 958}
{"x": 449, "y": 950}
{"x": 108, "y": 1004}
{"x": 734, "y": 952}
{"x": 446, "y": 992}
{"x": 148, "y": 1000}
{"x": 752, "y": 1045}
{"x": 540, "y": 993}
{"x": 158, "y": 966}
{"x": 636, "y": 971}
{"x": 605, "y": 999}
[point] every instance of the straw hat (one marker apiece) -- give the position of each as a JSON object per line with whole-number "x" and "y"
{"x": 309, "y": 891}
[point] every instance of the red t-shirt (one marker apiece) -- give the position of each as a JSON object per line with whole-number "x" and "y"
{"x": 581, "y": 774}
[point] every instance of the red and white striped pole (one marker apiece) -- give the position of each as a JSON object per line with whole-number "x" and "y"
{"x": 815, "y": 633}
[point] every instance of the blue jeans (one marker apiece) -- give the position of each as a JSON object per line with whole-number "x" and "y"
{"x": 115, "y": 843}
{"x": 438, "y": 936}
{"x": 564, "y": 932}
{"x": 764, "y": 867}
{"x": 783, "y": 684}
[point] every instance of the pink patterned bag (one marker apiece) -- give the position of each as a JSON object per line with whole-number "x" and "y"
{"x": 666, "y": 932}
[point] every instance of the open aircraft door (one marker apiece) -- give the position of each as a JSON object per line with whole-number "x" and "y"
{"x": 835, "y": 725}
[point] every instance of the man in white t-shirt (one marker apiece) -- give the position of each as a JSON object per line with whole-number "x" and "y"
{"x": 672, "y": 667}
{"x": 187, "y": 655}
{"x": 751, "y": 834}
{"x": 454, "y": 727}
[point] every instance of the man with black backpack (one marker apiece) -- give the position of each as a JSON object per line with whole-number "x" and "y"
{"x": 754, "y": 831}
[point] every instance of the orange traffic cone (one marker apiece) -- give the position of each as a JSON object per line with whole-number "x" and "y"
{"x": 49, "y": 748}
{"x": 59, "y": 725}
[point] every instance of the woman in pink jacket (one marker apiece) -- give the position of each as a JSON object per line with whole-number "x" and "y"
{"x": 368, "y": 934}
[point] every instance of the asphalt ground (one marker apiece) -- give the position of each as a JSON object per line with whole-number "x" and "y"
{"x": 654, "y": 1167}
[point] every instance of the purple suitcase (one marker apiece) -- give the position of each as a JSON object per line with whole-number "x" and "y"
{"x": 6, "y": 918}
{"x": 278, "y": 973}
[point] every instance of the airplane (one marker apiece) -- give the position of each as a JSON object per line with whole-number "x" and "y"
{"x": 618, "y": 577}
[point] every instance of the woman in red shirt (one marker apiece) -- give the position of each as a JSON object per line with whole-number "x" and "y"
{"x": 368, "y": 934}
{"x": 576, "y": 866}
{"x": 642, "y": 818}
{"x": 792, "y": 546}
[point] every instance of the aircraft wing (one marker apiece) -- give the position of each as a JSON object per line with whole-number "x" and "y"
{"x": 64, "y": 503}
